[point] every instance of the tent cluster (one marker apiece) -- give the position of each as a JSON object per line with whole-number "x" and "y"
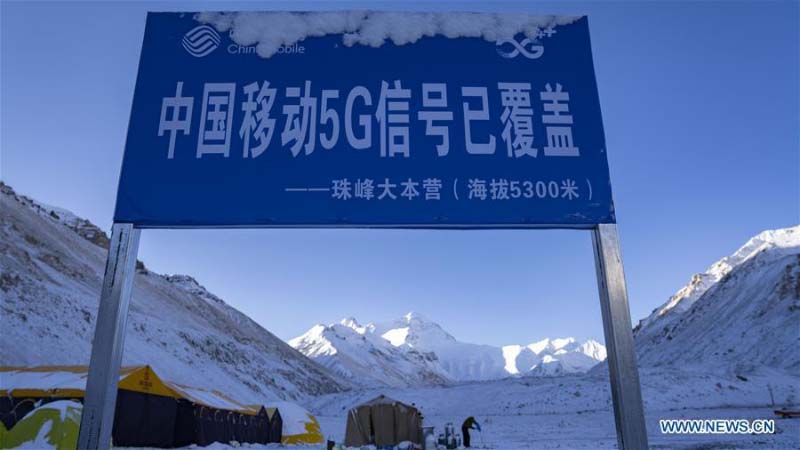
{"x": 150, "y": 412}
{"x": 383, "y": 422}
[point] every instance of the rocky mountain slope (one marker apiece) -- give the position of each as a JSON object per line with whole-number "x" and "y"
{"x": 51, "y": 270}
{"x": 740, "y": 315}
{"x": 416, "y": 351}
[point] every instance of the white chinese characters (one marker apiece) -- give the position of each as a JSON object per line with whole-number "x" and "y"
{"x": 216, "y": 119}
{"x": 517, "y": 118}
{"x": 300, "y": 128}
{"x": 408, "y": 120}
{"x": 257, "y": 124}
{"x": 433, "y": 189}
{"x": 176, "y": 116}
{"x": 392, "y": 115}
{"x": 434, "y": 104}
{"x": 558, "y": 121}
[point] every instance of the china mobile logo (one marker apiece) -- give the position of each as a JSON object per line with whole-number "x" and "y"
{"x": 201, "y": 40}
{"x": 510, "y": 48}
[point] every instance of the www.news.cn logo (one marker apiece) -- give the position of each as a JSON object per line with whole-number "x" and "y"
{"x": 201, "y": 40}
{"x": 717, "y": 426}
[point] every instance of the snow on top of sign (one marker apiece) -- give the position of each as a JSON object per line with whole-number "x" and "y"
{"x": 271, "y": 30}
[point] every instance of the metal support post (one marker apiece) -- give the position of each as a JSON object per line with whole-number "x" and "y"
{"x": 101, "y": 387}
{"x": 623, "y": 372}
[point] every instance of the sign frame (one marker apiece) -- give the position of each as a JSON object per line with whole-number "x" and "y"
{"x": 101, "y": 388}
{"x": 108, "y": 343}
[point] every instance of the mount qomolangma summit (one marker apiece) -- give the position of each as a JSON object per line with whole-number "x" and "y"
{"x": 418, "y": 351}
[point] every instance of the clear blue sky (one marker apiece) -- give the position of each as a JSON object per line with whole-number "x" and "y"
{"x": 700, "y": 105}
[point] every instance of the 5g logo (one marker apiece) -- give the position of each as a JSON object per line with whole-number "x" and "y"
{"x": 509, "y": 48}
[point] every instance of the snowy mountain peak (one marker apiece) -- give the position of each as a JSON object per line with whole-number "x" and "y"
{"x": 412, "y": 330}
{"x": 778, "y": 242}
{"x": 742, "y": 313}
{"x": 561, "y": 343}
{"x": 413, "y": 316}
{"x": 352, "y": 323}
{"x": 778, "y": 238}
{"x": 593, "y": 349}
{"x": 553, "y": 345}
{"x": 316, "y": 330}
{"x": 417, "y": 345}
{"x": 347, "y": 348}
{"x": 316, "y": 341}
{"x": 539, "y": 346}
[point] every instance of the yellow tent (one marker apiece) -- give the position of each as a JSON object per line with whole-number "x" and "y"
{"x": 53, "y": 425}
{"x": 151, "y": 412}
{"x": 70, "y": 382}
{"x": 299, "y": 425}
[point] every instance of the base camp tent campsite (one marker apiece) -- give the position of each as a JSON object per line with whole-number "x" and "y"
{"x": 151, "y": 411}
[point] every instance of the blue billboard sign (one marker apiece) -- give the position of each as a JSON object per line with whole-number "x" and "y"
{"x": 440, "y": 132}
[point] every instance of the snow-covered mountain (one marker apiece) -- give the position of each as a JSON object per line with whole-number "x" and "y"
{"x": 741, "y": 314}
{"x": 553, "y": 357}
{"x": 413, "y": 351}
{"x": 461, "y": 361}
{"x": 353, "y": 353}
{"x": 51, "y": 268}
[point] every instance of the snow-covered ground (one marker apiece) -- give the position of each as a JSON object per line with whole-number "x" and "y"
{"x": 594, "y": 430}
{"x": 575, "y": 411}
{"x": 591, "y": 431}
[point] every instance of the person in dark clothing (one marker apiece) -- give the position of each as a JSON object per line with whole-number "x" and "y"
{"x": 469, "y": 424}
